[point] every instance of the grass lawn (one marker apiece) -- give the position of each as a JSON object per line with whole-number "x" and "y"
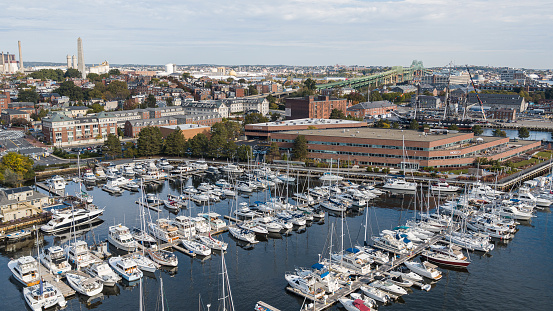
{"x": 544, "y": 154}
{"x": 526, "y": 162}
{"x": 457, "y": 172}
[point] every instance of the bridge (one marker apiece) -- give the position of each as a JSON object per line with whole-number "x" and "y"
{"x": 395, "y": 75}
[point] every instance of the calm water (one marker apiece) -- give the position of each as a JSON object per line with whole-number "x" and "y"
{"x": 534, "y": 135}
{"x": 517, "y": 274}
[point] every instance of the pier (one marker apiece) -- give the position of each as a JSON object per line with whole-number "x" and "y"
{"x": 43, "y": 186}
{"x": 65, "y": 289}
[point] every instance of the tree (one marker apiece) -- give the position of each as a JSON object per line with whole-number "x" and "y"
{"x": 149, "y": 141}
{"x": 453, "y": 127}
{"x": 355, "y": 97}
{"x": 116, "y": 90}
{"x": 129, "y": 104}
{"x": 241, "y": 80}
{"x": 375, "y": 96}
{"x": 244, "y": 152}
{"x": 48, "y": 74}
{"x": 20, "y": 122}
{"x": 150, "y": 101}
{"x": 499, "y": 133}
{"x": 275, "y": 116}
{"x": 274, "y": 150}
{"x": 414, "y": 125}
{"x": 175, "y": 143}
{"x": 95, "y": 108}
{"x": 310, "y": 84}
{"x": 15, "y": 168}
{"x": 337, "y": 114}
{"x": 113, "y": 145}
{"x": 395, "y": 125}
{"x": 381, "y": 123}
{"x": 169, "y": 101}
{"x": 69, "y": 89}
{"x": 477, "y": 130}
{"x": 130, "y": 150}
{"x": 299, "y": 150}
{"x": 114, "y": 72}
{"x": 252, "y": 90}
{"x": 41, "y": 114}
{"x": 198, "y": 145}
{"x": 28, "y": 96}
{"x": 523, "y": 132}
{"x": 255, "y": 117}
{"x": 186, "y": 75}
{"x": 230, "y": 149}
{"x": 72, "y": 73}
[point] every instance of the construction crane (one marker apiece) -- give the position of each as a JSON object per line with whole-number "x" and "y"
{"x": 477, "y": 97}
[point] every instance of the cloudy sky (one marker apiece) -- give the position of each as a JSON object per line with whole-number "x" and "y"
{"x": 294, "y": 32}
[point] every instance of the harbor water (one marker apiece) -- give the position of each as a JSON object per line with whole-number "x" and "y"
{"x": 534, "y": 135}
{"x": 515, "y": 275}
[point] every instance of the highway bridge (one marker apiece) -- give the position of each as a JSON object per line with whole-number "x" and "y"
{"x": 395, "y": 75}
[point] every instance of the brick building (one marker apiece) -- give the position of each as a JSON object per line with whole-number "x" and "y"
{"x": 378, "y": 109}
{"x": 188, "y": 130}
{"x": 502, "y": 114}
{"x": 265, "y": 130}
{"x": 29, "y": 107}
{"x": 61, "y": 130}
{"x": 133, "y": 127}
{"x": 4, "y": 100}
{"x": 9, "y": 114}
{"x": 318, "y": 107}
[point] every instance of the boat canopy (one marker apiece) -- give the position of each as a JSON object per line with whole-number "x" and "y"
{"x": 401, "y": 227}
{"x": 353, "y": 250}
{"x": 318, "y": 266}
{"x": 258, "y": 202}
{"x": 324, "y": 274}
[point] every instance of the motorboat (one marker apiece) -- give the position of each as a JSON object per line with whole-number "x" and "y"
{"x": 56, "y": 183}
{"x": 212, "y": 243}
{"x": 258, "y": 230}
{"x": 100, "y": 174}
{"x": 446, "y": 255}
{"x": 111, "y": 188}
{"x": 43, "y": 296}
{"x": 510, "y": 211}
{"x": 53, "y": 258}
{"x": 104, "y": 273}
{"x": 25, "y": 270}
{"x": 355, "y": 260}
{"x": 63, "y": 220}
{"x": 84, "y": 196}
{"x": 222, "y": 183}
{"x": 171, "y": 205}
{"x": 389, "y": 243}
{"x": 242, "y": 187}
{"x": 443, "y": 186}
{"x": 85, "y": 285}
{"x": 144, "y": 263}
{"x": 185, "y": 226}
{"x": 269, "y": 224}
{"x": 376, "y": 294}
{"x": 128, "y": 171}
{"x": 304, "y": 197}
{"x": 152, "y": 199}
{"x": 196, "y": 248}
{"x": 285, "y": 178}
{"x": 89, "y": 177}
{"x": 400, "y": 281}
{"x": 165, "y": 165}
{"x": 201, "y": 224}
{"x": 425, "y": 269}
{"x": 120, "y": 237}
{"x": 142, "y": 236}
{"x": 77, "y": 253}
{"x": 243, "y": 235}
{"x": 231, "y": 169}
{"x": 18, "y": 235}
{"x": 330, "y": 177}
{"x": 333, "y": 207}
{"x": 369, "y": 302}
{"x": 244, "y": 211}
{"x": 470, "y": 242}
{"x": 376, "y": 255}
{"x": 399, "y": 184}
{"x": 216, "y": 223}
{"x": 163, "y": 230}
{"x": 199, "y": 165}
{"x": 163, "y": 257}
{"x": 388, "y": 286}
{"x": 126, "y": 268}
{"x": 354, "y": 304}
{"x": 307, "y": 285}
{"x": 212, "y": 170}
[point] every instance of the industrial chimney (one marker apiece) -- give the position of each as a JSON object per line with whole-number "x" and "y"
{"x": 21, "y": 68}
{"x": 68, "y": 61}
{"x": 74, "y": 62}
{"x": 80, "y": 54}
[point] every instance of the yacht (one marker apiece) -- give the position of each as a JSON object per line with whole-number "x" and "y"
{"x": 212, "y": 170}
{"x": 390, "y": 244}
{"x": 376, "y": 294}
{"x": 196, "y": 248}
{"x": 104, "y": 273}
{"x": 355, "y": 260}
{"x": 56, "y": 182}
{"x": 222, "y": 183}
{"x": 163, "y": 257}
{"x": 63, "y": 220}
{"x": 165, "y": 165}
{"x": 481, "y": 189}
{"x": 126, "y": 268}
{"x": 128, "y": 171}
{"x": 144, "y": 263}
{"x": 231, "y": 169}
{"x": 78, "y": 254}
{"x": 307, "y": 285}
{"x": 111, "y": 187}
{"x": 164, "y": 231}
{"x": 527, "y": 197}
{"x": 200, "y": 165}
{"x": 180, "y": 169}
{"x": 243, "y": 235}
{"x": 142, "y": 236}
{"x": 43, "y": 296}
{"x": 354, "y": 304}
{"x": 443, "y": 186}
{"x": 84, "y": 196}
{"x": 330, "y": 177}
{"x": 100, "y": 174}
{"x": 84, "y": 285}
{"x": 212, "y": 243}
{"x": 215, "y": 222}
{"x": 25, "y": 270}
{"x": 89, "y": 177}
{"x": 470, "y": 242}
{"x": 443, "y": 255}
{"x": 120, "y": 237}
{"x": 185, "y": 226}
{"x": 399, "y": 184}
{"x": 425, "y": 269}
{"x": 388, "y": 286}
{"x": 53, "y": 258}
{"x": 244, "y": 211}
{"x": 152, "y": 199}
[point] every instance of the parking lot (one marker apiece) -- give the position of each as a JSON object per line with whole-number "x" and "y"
{"x": 14, "y": 141}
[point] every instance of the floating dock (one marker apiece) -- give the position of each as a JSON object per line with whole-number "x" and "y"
{"x": 55, "y": 280}
{"x": 43, "y": 186}
{"x": 153, "y": 207}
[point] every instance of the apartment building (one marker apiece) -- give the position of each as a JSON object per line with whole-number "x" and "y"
{"x": 61, "y": 130}
{"x": 318, "y": 107}
{"x": 133, "y": 127}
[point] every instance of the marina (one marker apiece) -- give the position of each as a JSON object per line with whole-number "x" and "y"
{"x": 250, "y": 266}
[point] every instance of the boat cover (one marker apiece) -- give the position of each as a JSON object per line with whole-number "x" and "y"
{"x": 324, "y": 274}
{"x": 318, "y": 266}
{"x": 360, "y": 304}
{"x": 353, "y": 250}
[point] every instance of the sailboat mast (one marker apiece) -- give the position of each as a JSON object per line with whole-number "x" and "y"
{"x": 140, "y": 306}
{"x": 162, "y": 298}
{"x": 366, "y": 222}
{"x": 223, "y": 275}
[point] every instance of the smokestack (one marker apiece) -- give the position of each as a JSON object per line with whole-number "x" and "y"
{"x": 3, "y": 67}
{"x": 80, "y": 54}
{"x": 68, "y": 61}
{"x": 21, "y": 68}
{"x": 74, "y": 62}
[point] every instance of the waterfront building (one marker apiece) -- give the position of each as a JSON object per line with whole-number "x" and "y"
{"x": 384, "y": 147}
{"x": 133, "y": 127}
{"x": 187, "y": 130}
{"x": 61, "y": 130}
{"x": 508, "y": 114}
{"x": 21, "y": 202}
{"x": 370, "y": 110}
{"x": 499, "y": 101}
{"x": 318, "y": 107}
{"x": 9, "y": 114}
{"x": 265, "y": 130}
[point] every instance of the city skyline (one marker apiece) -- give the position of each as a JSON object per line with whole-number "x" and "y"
{"x": 325, "y": 32}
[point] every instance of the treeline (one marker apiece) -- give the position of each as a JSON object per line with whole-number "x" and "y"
{"x": 218, "y": 144}
{"x": 15, "y": 168}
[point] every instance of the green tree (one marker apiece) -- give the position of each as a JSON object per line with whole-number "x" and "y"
{"x": 150, "y": 101}
{"x": 69, "y": 89}
{"x": 275, "y": 116}
{"x": 116, "y": 90}
{"x": 72, "y": 73}
{"x": 375, "y": 96}
{"x": 414, "y": 125}
{"x": 274, "y": 150}
{"x": 453, "y": 127}
{"x": 244, "y": 152}
{"x": 395, "y": 125}
{"x": 255, "y": 117}
{"x": 241, "y": 80}
{"x": 186, "y": 75}
{"x": 230, "y": 149}
{"x": 523, "y": 132}
{"x": 95, "y": 108}
{"x": 94, "y": 77}
{"x": 15, "y": 168}
{"x": 149, "y": 141}
{"x": 28, "y": 96}
{"x": 169, "y": 101}
{"x": 299, "y": 149}
{"x": 252, "y": 90}
{"x": 477, "y": 130}
{"x": 355, "y": 97}
{"x": 114, "y": 72}
{"x": 48, "y": 74}
{"x": 381, "y": 123}
{"x": 337, "y": 114}
{"x": 175, "y": 143}
{"x": 199, "y": 145}
{"x": 113, "y": 145}
{"x": 499, "y": 133}
{"x": 310, "y": 84}
{"x": 130, "y": 150}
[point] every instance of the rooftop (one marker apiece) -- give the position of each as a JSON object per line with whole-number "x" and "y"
{"x": 185, "y": 126}
{"x": 307, "y": 121}
{"x": 377, "y": 133}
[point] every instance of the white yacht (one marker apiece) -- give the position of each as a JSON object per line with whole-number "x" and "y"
{"x": 215, "y": 222}
{"x": 306, "y": 285}
{"x": 199, "y": 165}
{"x": 43, "y": 296}
{"x": 100, "y": 174}
{"x": 376, "y": 294}
{"x": 425, "y": 269}
{"x": 84, "y": 196}
{"x": 388, "y": 286}
{"x": 56, "y": 182}
{"x": 78, "y": 254}
{"x": 163, "y": 230}
{"x": 399, "y": 184}
{"x": 84, "y": 285}
{"x": 104, "y": 273}
{"x": 163, "y": 257}
{"x": 354, "y": 260}
{"x": 212, "y": 243}
{"x": 390, "y": 244}
{"x": 128, "y": 171}
{"x": 111, "y": 187}
{"x": 126, "y": 268}
{"x": 330, "y": 177}
{"x": 231, "y": 169}
{"x": 243, "y": 235}
{"x": 63, "y": 220}
{"x": 90, "y": 177}
{"x": 25, "y": 270}
{"x": 53, "y": 258}
{"x": 196, "y": 248}
{"x": 120, "y": 237}
{"x": 443, "y": 186}
{"x": 244, "y": 211}
{"x": 165, "y": 165}
{"x": 186, "y": 228}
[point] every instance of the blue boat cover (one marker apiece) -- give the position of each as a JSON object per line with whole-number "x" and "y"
{"x": 352, "y": 250}
{"x": 258, "y": 202}
{"x": 318, "y": 266}
{"x": 324, "y": 274}
{"x": 401, "y": 227}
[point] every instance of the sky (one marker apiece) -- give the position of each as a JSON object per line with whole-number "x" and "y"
{"x": 283, "y": 32}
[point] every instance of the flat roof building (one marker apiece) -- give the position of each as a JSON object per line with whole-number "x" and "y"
{"x": 318, "y": 107}
{"x": 264, "y": 130}
{"x": 188, "y": 130}
{"x": 384, "y": 147}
